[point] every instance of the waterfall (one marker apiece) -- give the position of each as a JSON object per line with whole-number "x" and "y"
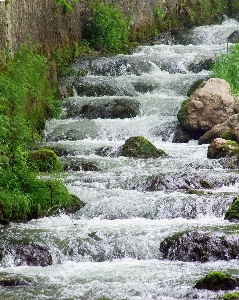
{"x": 110, "y": 249}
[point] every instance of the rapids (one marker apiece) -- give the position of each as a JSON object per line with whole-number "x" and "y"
{"x": 110, "y": 248}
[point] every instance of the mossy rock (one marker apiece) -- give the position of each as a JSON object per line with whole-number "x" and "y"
{"x": 199, "y": 246}
{"x": 74, "y": 205}
{"x": 140, "y": 147}
{"x": 217, "y": 281}
{"x": 78, "y": 165}
{"x": 222, "y": 148}
{"x": 231, "y": 296}
{"x": 44, "y": 160}
{"x": 232, "y": 213}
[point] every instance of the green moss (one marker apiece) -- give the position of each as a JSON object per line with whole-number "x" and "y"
{"x": 195, "y": 192}
{"x": 228, "y": 135}
{"x": 44, "y": 160}
{"x": 231, "y": 296}
{"x": 182, "y": 115}
{"x": 140, "y": 147}
{"x": 232, "y": 143}
{"x": 205, "y": 184}
{"x": 217, "y": 281}
{"x": 232, "y": 213}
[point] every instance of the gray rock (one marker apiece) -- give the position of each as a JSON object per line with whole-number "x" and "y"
{"x": 200, "y": 246}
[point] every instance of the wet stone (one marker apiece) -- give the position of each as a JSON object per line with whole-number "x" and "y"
{"x": 200, "y": 246}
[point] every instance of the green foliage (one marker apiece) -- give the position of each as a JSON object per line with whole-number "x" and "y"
{"x": 26, "y": 101}
{"x": 108, "y": 28}
{"x": 228, "y": 135}
{"x": 44, "y": 160}
{"x": 231, "y": 296}
{"x": 226, "y": 67}
{"x": 23, "y": 196}
{"x": 26, "y": 98}
{"x": 66, "y": 4}
{"x": 67, "y": 53}
{"x": 159, "y": 12}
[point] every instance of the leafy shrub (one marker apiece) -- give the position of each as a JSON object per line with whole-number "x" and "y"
{"x": 226, "y": 67}
{"x": 23, "y": 196}
{"x": 44, "y": 160}
{"x": 26, "y": 99}
{"x": 108, "y": 28}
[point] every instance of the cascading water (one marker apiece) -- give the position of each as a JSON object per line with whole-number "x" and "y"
{"x": 110, "y": 249}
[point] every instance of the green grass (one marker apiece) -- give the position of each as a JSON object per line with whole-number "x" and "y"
{"x": 23, "y": 196}
{"x": 108, "y": 28}
{"x": 226, "y": 67}
{"x": 27, "y": 99}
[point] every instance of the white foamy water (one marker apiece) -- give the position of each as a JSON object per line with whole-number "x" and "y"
{"x": 110, "y": 249}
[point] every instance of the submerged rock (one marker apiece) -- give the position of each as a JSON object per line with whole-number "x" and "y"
{"x": 14, "y": 280}
{"x": 139, "y": 147}
{"x": 119, "y": 108}
{"x": 108, "y": 151}
{"x": 25, "y": 253}
{"x": 113, "y": 67}
{"x": 184, "y": 182}
{"x": 100, "y": 86}
{"x": 74, "y": 164}
{"x": 199, "y": 246}
{"x": 216, "y": 281}
{"x": 210, "y": 104}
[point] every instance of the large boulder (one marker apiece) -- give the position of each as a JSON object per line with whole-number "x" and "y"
{"x": 210, "y": 104}
{"x": 228, "y": 130}
{"x": 199, "y": 246}
{"x": 222, "y": 148}
{"x": 139, "y": 147}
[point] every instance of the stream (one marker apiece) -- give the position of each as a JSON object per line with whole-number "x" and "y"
{"x": 110, "y": 249}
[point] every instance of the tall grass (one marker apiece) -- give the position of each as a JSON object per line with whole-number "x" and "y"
{"x": 108, "y": 28}
{"x": 26, "y": 101}
{"x": 226, "y": 67}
